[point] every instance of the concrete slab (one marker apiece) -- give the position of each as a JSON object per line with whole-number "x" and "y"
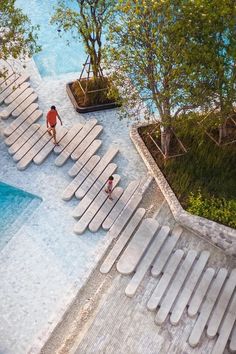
{"x": 92, "y": 149}
{"x": 68, "y": 138}
{"x": 122, "y": 241}
{"x": 113, "y": 215}
{"x": 25, "y": 104}
{"x": 84, "y": 221}
{"x": 6, "y": 85}
{"x": 135, "y": 250}
{"x": 101, "y": 166}
{"x": 18, "y": 121}
{"x": 76, "y": 154}
{"x": 23, "y": 139}
{"x": 207, "y": 307}
{"x": 165, "y": 280}
{"x": 221, "y": 306}
{"x": 105, "y": 209}
{"x": 147, "y": 261}
{"x": 166, "y": 251}
{"x": 17, "y": 92}
{"x": 184, "y": 297}
{"x": 5, "y": 113}
{"x": 23, "y": 127}
{"x": 232, "y": 345}
{"x": 82, "y": 175}
{"x": 93, "y": 192}
{"x": 175, "y": 287}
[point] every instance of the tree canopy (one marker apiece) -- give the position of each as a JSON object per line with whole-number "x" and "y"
{"x": 17, "y": 35}
{"x": 87, "y": 22}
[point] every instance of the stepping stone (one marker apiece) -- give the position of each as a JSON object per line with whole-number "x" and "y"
{"x": 125, "y": 215}
{"x": 23, "y": 127}
{"x": 17, "y": 92}
{"x": 18, "y": 121}
{"x": 147, "y": 261}
{"x": 137, "y": 246}
{"x": 48, "y": 148}
{"x": 67, "y": 151}
{"x": 18, "y": 101}
{"x": 75, "y": 169}
{"x": 166, "y": 251}
{"x": 78, "y": 180}
{"x": 84, "y": 221}
{"x": 200, "y": 292}
{"x": 220, "y": 309}
{"x": 22, "y": 107}
{"x": 122, "y": 241}
{"x": 226, "y": 328}
{"x": 88, "y": 183}
{"x": 102, "y": 213}
{"x": 11, "y": 84}
{"x": 30, "y": 143}
{"x": 93, "y": 192}
{"x": 129, "y": 191}
{"x": 104, "y": 209}
{"x": 23, "y": 139}
{"x": 76, "y": 154}
{"x": 165, "y": 280}
{"x": 6, "y": 73}
{"x": 189, "y": 287}
{"x": 68, "y": 138}
{"x": 175, "y": 287}
{"x": 232, "y": 345}
{"x": 207, "y": 307}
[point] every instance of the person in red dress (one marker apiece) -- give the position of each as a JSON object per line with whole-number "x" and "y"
{"x": 52, "y": 116}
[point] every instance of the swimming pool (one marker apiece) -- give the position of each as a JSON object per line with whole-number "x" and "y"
{"x": 16, "y": 206}
{"x": 56, "y": 56}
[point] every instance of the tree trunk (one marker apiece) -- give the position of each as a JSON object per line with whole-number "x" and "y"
{"x": 165, "y": 140}
{"x": 222, "y": 131}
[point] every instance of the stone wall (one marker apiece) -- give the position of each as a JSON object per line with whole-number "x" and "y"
{"x": 217, "y": 234}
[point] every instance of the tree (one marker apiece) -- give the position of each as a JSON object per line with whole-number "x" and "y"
{"x": 17, "y": 35}
{"x": 88, "y": 24}
{"x": 156, "y": 45}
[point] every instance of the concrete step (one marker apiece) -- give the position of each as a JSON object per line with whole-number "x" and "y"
{"x": 18, "y": 144}
{"x": 17, "y": 92}
{"x": 68, "y": 138}
{"x": 5, "y": 113}
{"x": 24, "y": 105}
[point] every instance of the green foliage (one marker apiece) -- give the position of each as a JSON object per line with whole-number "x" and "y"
{"x": 217, "y": 209}
{"x": 205, "y": 167}
{"x": 17, "y": 35}
{"x": 86, "y": 24}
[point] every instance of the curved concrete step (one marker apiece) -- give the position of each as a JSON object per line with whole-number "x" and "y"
{"x": 165, "y": 280}
{"x": 137, "y": 246}
{"x": 175, "y": 287}
{"x": 92, "y": 149}
{"x": 122, "y": 241}
{"x": 147, "y": 261}
{"x": 76, "y": 154}
{"x": 207, "y": 307}
{"x": 17, "y": 92}
{"x": 79, "y": 179}
{"x": 232, "y": 345}
{"x": 5, "y": 113}
{"x": 189, "y": 287}
{"x": 93, "y": 177}
{"x": 23, "y": 139}
{"x": 24, "y": 105}
{"x": 84, "y": 221}
{"x": 94, "y": 190}
{"x": 21, "y": 119}
{"x": 11, "y": 84}
{"x": 68, "y": 138}
{"x": 23, "y": 127}
{"x": 113, "y": 215}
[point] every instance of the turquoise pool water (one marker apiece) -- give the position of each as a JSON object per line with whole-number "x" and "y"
{"x": 16, "y": 206}
{"x": 56, "y": 56}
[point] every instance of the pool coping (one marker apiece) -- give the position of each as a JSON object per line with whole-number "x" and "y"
{"x": 217, "y": 234}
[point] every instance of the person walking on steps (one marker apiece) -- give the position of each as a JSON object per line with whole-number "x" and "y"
{"x": 109, "y": 187}
{"x": 52, "y": 116}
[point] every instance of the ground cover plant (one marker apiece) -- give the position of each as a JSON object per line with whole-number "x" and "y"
{"x": 203, "y": 179}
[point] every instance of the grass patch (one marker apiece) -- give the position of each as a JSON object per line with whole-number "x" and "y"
{"x": 94, "y": 98}
{"x": 206, "y": 168}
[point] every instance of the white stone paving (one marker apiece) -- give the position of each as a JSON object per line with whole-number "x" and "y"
{"x": 45, "y": 263}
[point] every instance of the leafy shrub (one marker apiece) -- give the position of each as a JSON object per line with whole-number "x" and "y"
{"x": 217, "y": 209}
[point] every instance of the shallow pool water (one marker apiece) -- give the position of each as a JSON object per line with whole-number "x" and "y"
{"x": 56, "y": 57}
{"x": 16, "y": 206}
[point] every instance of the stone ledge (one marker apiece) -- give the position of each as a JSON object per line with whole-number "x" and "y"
{"x": 217, "y": 234}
